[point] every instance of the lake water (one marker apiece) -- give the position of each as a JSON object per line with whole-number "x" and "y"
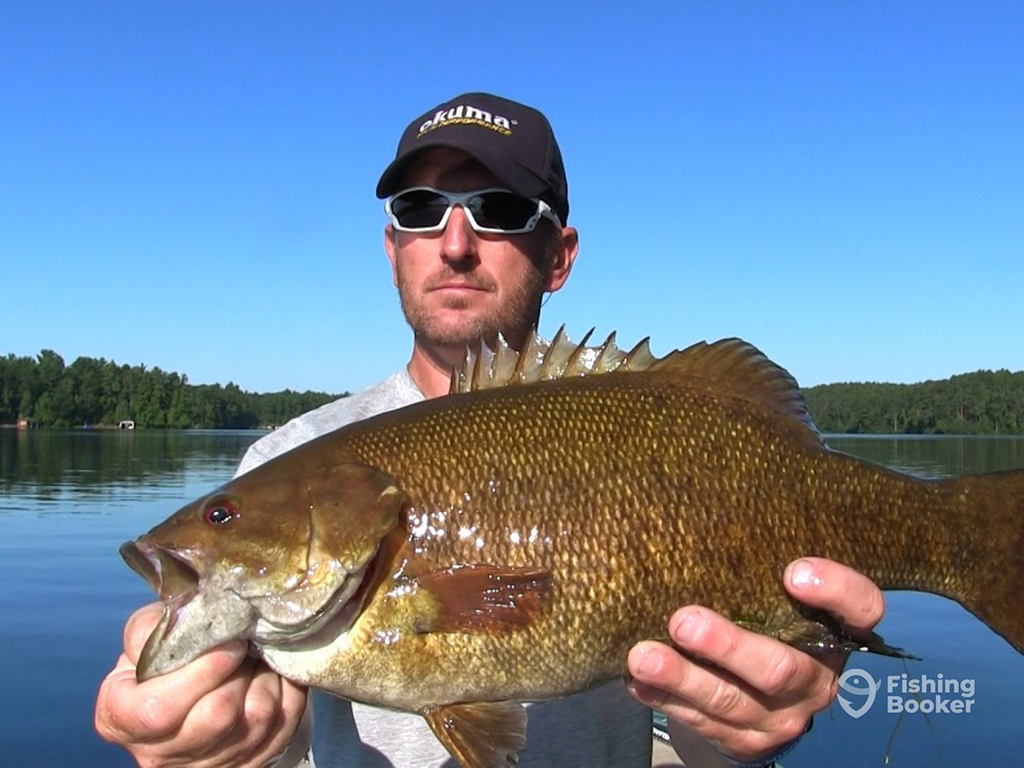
{"x": 70, "y": 498}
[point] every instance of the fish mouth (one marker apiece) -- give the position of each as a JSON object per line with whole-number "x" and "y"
{"x": 166, "y": 571}
{"x": 194, "y": 620}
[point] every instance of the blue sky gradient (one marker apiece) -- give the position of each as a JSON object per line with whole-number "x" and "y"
{"x": 190, "y": 184}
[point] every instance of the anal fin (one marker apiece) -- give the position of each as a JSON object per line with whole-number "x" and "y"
{"x": 484, "y": 734}
{"x": 823, "y": 634}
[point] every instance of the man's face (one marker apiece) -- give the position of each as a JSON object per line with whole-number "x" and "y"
{"x": 459, "y": 285}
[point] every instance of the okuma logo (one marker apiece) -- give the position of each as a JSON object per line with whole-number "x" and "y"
{"x": 468, "y": 115}
{"x": 849, "y": 683}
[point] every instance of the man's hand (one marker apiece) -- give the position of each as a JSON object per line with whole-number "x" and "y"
{"x": 751, "y": 694}
{"x": 222, "y": 709}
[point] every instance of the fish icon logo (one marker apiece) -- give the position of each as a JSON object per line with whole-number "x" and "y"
{"x": 868, "y": 690}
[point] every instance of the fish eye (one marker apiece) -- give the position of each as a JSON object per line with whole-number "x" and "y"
{"x": 220, "y": 512}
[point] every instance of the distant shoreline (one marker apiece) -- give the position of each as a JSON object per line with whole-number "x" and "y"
{"x": 99, "y": 394}
{"x": 116, "y": 428}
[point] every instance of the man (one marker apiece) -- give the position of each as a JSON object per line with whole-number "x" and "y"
{"x": 478, "y": 205}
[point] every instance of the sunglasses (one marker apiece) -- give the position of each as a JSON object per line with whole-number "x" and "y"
{"x": 425, "y": 209}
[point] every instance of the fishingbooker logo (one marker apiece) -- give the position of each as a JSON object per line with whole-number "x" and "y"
{"x": 467, "y": 115}
{"x": 906, "y": 694}
{"x": 849, "y": 683}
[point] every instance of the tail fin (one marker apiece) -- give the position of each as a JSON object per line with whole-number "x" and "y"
{"x": 997, "y": 594}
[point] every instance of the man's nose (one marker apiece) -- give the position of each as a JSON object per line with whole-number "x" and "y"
{"x": 458, "y": 241}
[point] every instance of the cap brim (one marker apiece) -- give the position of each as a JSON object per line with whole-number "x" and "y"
{"x": 507, "y": 171}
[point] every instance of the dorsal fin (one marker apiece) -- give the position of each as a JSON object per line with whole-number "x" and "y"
{"x": 732, "y": 364}
{"x": 741, "y": 369}
{"x": 540, "y": 360}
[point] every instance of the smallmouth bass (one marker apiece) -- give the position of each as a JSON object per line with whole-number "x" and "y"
{"x": 512, "y": 541}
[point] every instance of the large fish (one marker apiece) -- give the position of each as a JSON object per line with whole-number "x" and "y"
{"x": 512, "y": 541}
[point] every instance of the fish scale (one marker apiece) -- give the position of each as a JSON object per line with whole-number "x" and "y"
{"x": 611, "y": 496}
{"x": 512, "y": 542}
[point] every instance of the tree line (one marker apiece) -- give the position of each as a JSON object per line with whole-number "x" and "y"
{"x": 97, "y": 392}
{"x": 101, "y": 392}
{"x": 979, "y": 403}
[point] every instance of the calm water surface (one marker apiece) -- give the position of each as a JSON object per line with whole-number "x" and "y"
{"x": 68, "y": 500}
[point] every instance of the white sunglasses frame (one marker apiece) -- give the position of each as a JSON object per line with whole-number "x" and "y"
{"x": 460, "y": 198}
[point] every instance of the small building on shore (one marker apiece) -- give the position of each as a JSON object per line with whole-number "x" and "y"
{"x": 28, "y": 424}
{"x": 126, "y": 424}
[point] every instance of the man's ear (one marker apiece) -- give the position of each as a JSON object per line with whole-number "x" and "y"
{"x": 391, "y": 249}
{"x": 562, "y": 259}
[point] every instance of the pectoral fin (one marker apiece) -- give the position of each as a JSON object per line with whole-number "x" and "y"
{"x": 485, "y": 734}
{"x": 482, "y": 598}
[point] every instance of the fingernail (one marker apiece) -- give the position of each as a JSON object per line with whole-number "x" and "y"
{"x": 802, "y": 574}
{"x": 685, "y": 627}
{"x": 648, "y": 694}
{"x": 649, "y": 663}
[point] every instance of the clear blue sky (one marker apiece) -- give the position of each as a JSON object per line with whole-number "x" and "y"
{"x": 190, "y": 184}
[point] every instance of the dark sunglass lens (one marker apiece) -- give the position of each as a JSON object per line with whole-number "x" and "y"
{"x": 502, "y": 210}
{"x": 419, "y": 208}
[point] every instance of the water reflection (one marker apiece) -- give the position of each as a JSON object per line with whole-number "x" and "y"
{"x": 55, "y": 466}
{"x": 935, "y": 456}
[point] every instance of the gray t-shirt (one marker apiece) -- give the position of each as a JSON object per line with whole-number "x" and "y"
{"x": 602, "y": 727}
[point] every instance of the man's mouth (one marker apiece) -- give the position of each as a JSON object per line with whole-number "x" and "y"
{"x": 452, "y": 280}
{"x": 458, "y": 286}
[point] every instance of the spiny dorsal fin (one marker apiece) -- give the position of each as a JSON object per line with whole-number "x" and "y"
{"x": 741, "y": 369}
{"x": 540, "y": 360}
{"x": 732, "y": 364}
{"x": 482, "y": 734}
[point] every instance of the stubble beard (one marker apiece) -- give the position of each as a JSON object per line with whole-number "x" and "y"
{"x": 513, "y": 318}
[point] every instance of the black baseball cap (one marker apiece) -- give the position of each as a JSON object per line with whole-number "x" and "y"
{"x": 511, "y": 140}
